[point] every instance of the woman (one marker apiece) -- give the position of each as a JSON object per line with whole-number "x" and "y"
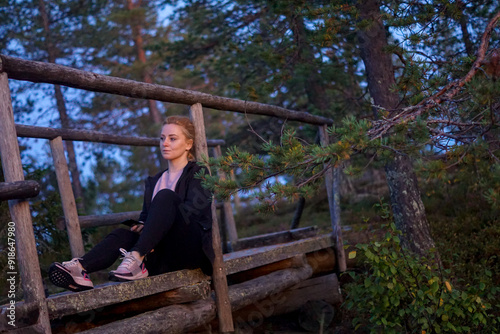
{"x": 174, "y": 228}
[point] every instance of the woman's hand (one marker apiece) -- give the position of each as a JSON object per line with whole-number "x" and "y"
{"x": 137, "y": 228}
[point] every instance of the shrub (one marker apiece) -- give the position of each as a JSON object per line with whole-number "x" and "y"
{"x": 402, "y": 293}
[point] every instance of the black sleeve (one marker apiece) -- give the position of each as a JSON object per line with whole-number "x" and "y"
{"x": 197, "y": 204}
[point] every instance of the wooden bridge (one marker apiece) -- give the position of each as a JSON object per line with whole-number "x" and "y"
{"x": 263, "y": 276}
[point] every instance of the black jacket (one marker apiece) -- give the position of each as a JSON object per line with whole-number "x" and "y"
{"x": 195, "y": 206}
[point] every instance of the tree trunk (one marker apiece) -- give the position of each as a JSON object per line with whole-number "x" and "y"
{"x": 408, "y": 209}
{"x": 141, "y": 58}
{"x": 63, "y": 113}
{"x": 469, "y": 46}
{"x": 314, "y": 88}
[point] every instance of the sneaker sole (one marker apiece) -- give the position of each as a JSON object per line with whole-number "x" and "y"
{"x": 63, "y": 279}
{"x": 116, "y": 278}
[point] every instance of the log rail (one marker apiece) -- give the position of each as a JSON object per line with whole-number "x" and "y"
{"x": 31, "y": 131}
{"x": 19, "y": 190}
{"x": 36, "y": 71}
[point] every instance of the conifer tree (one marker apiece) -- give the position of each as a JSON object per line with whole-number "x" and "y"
{"x": 50, "y": 47}
{"x": 51, "y": 31}
{"x": 435, "y": 32}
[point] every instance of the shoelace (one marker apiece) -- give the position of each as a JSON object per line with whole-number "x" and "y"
{"x": 128, "y": 259}
{"x": 71, "y": 263}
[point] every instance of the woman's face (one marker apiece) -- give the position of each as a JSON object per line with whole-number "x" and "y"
{"x": 173, "y": 143}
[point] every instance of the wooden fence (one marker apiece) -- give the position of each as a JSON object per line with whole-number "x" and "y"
{"x": 15, "y": 68}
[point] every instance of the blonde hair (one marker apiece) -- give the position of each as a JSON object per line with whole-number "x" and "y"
{"x": 187, "y": 128}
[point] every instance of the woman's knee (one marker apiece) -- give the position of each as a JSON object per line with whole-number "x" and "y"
{"x": 123, "y": 234}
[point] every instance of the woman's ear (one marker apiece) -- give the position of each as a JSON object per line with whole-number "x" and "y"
{"x": 190, "y": 143}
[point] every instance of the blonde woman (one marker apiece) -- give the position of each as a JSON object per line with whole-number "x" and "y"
{"x": 174, "y": 227}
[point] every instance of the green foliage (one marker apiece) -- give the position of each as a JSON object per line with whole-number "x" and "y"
{"x": 401, "y": 293}
{"x": 296, "y": 160}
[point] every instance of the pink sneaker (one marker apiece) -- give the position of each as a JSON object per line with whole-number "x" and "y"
{"x": 70, "y": 275}
{"x": 129, "y": 270}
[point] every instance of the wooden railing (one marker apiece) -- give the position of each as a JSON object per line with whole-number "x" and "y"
{"x": 15, "y": 68}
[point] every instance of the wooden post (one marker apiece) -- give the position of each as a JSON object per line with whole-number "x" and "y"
{"x": 67, "y": 197}
{"x": 27, "y": 256}
{"x": 332, "y": 178}
{"x": 236, "y": 196}
{"x": 232, "y": 234}
{"x": 219, "y": 270}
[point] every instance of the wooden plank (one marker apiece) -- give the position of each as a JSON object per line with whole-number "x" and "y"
{"x": 275, "y": 238}
{"x": 105, "y": 315}
{"x": 219, "y": 270}
{"x": 67, "y": 197}
{"x": 184, "y": 294}
{"x": 252, "y": 258}
{"x": 332, "y": 189}
{"x": 35, "y": 71}
{"x": 185, "y": 318}
{"x": 229, "y": 222}
{"x": 170, "y": 319}
{"x": 19, "y": 190}
{"x": 108, "y": 219}
{"x": 26, "y": 253}
{"x": 31, "y": 131}
{"x": 249, "y": 292}
{"x": 70, "y": 303}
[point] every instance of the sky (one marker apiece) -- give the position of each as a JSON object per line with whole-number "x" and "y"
{"x": 44, "y": 113}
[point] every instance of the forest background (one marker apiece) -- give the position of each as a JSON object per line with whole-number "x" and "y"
{"x": 314, "y": 56}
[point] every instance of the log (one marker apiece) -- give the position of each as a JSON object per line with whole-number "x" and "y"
{"x": 184, "y": 294}
{"x": 26, "y": 253}
{"x": 102, "y": 316}
{"x": 31, "y": 131}
{"x": 34, "y": 329}
{"x": 185, "y": 318}
{"x": 249, "y": 292}
{"x": 298, "y": 213}
{"x": 35, "y": 71}
{"x": 275, "y": 238}
{"x": 109, "y": 219}
{"x": 105, "y": 220}
{"x": 219, "y": 268}
{"x": 229, "y": 222}
{"x": 71, "y": 303}
{"x": 293, "y": 262}
{"x": 256, "y": 257}
{"x": 332, "y": 189}
{"x": 322, "y": 261}
{"x": 170, "y": 319}
{"x": 67, "y": 198}
{"x": 19, "y": 190}
{"x": 323, "y": 288}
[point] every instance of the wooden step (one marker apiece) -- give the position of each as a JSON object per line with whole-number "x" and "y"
{"x": 256, "y": 257}
{"x": 186, "y": 317}
{"x": 67, "y": 303}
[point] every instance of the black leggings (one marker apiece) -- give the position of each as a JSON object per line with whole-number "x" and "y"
{"x": 169, "y": 242}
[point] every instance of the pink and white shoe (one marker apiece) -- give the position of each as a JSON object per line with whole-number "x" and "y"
{"x": 130, "y": 269}
{"x": 70, "y": 275}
